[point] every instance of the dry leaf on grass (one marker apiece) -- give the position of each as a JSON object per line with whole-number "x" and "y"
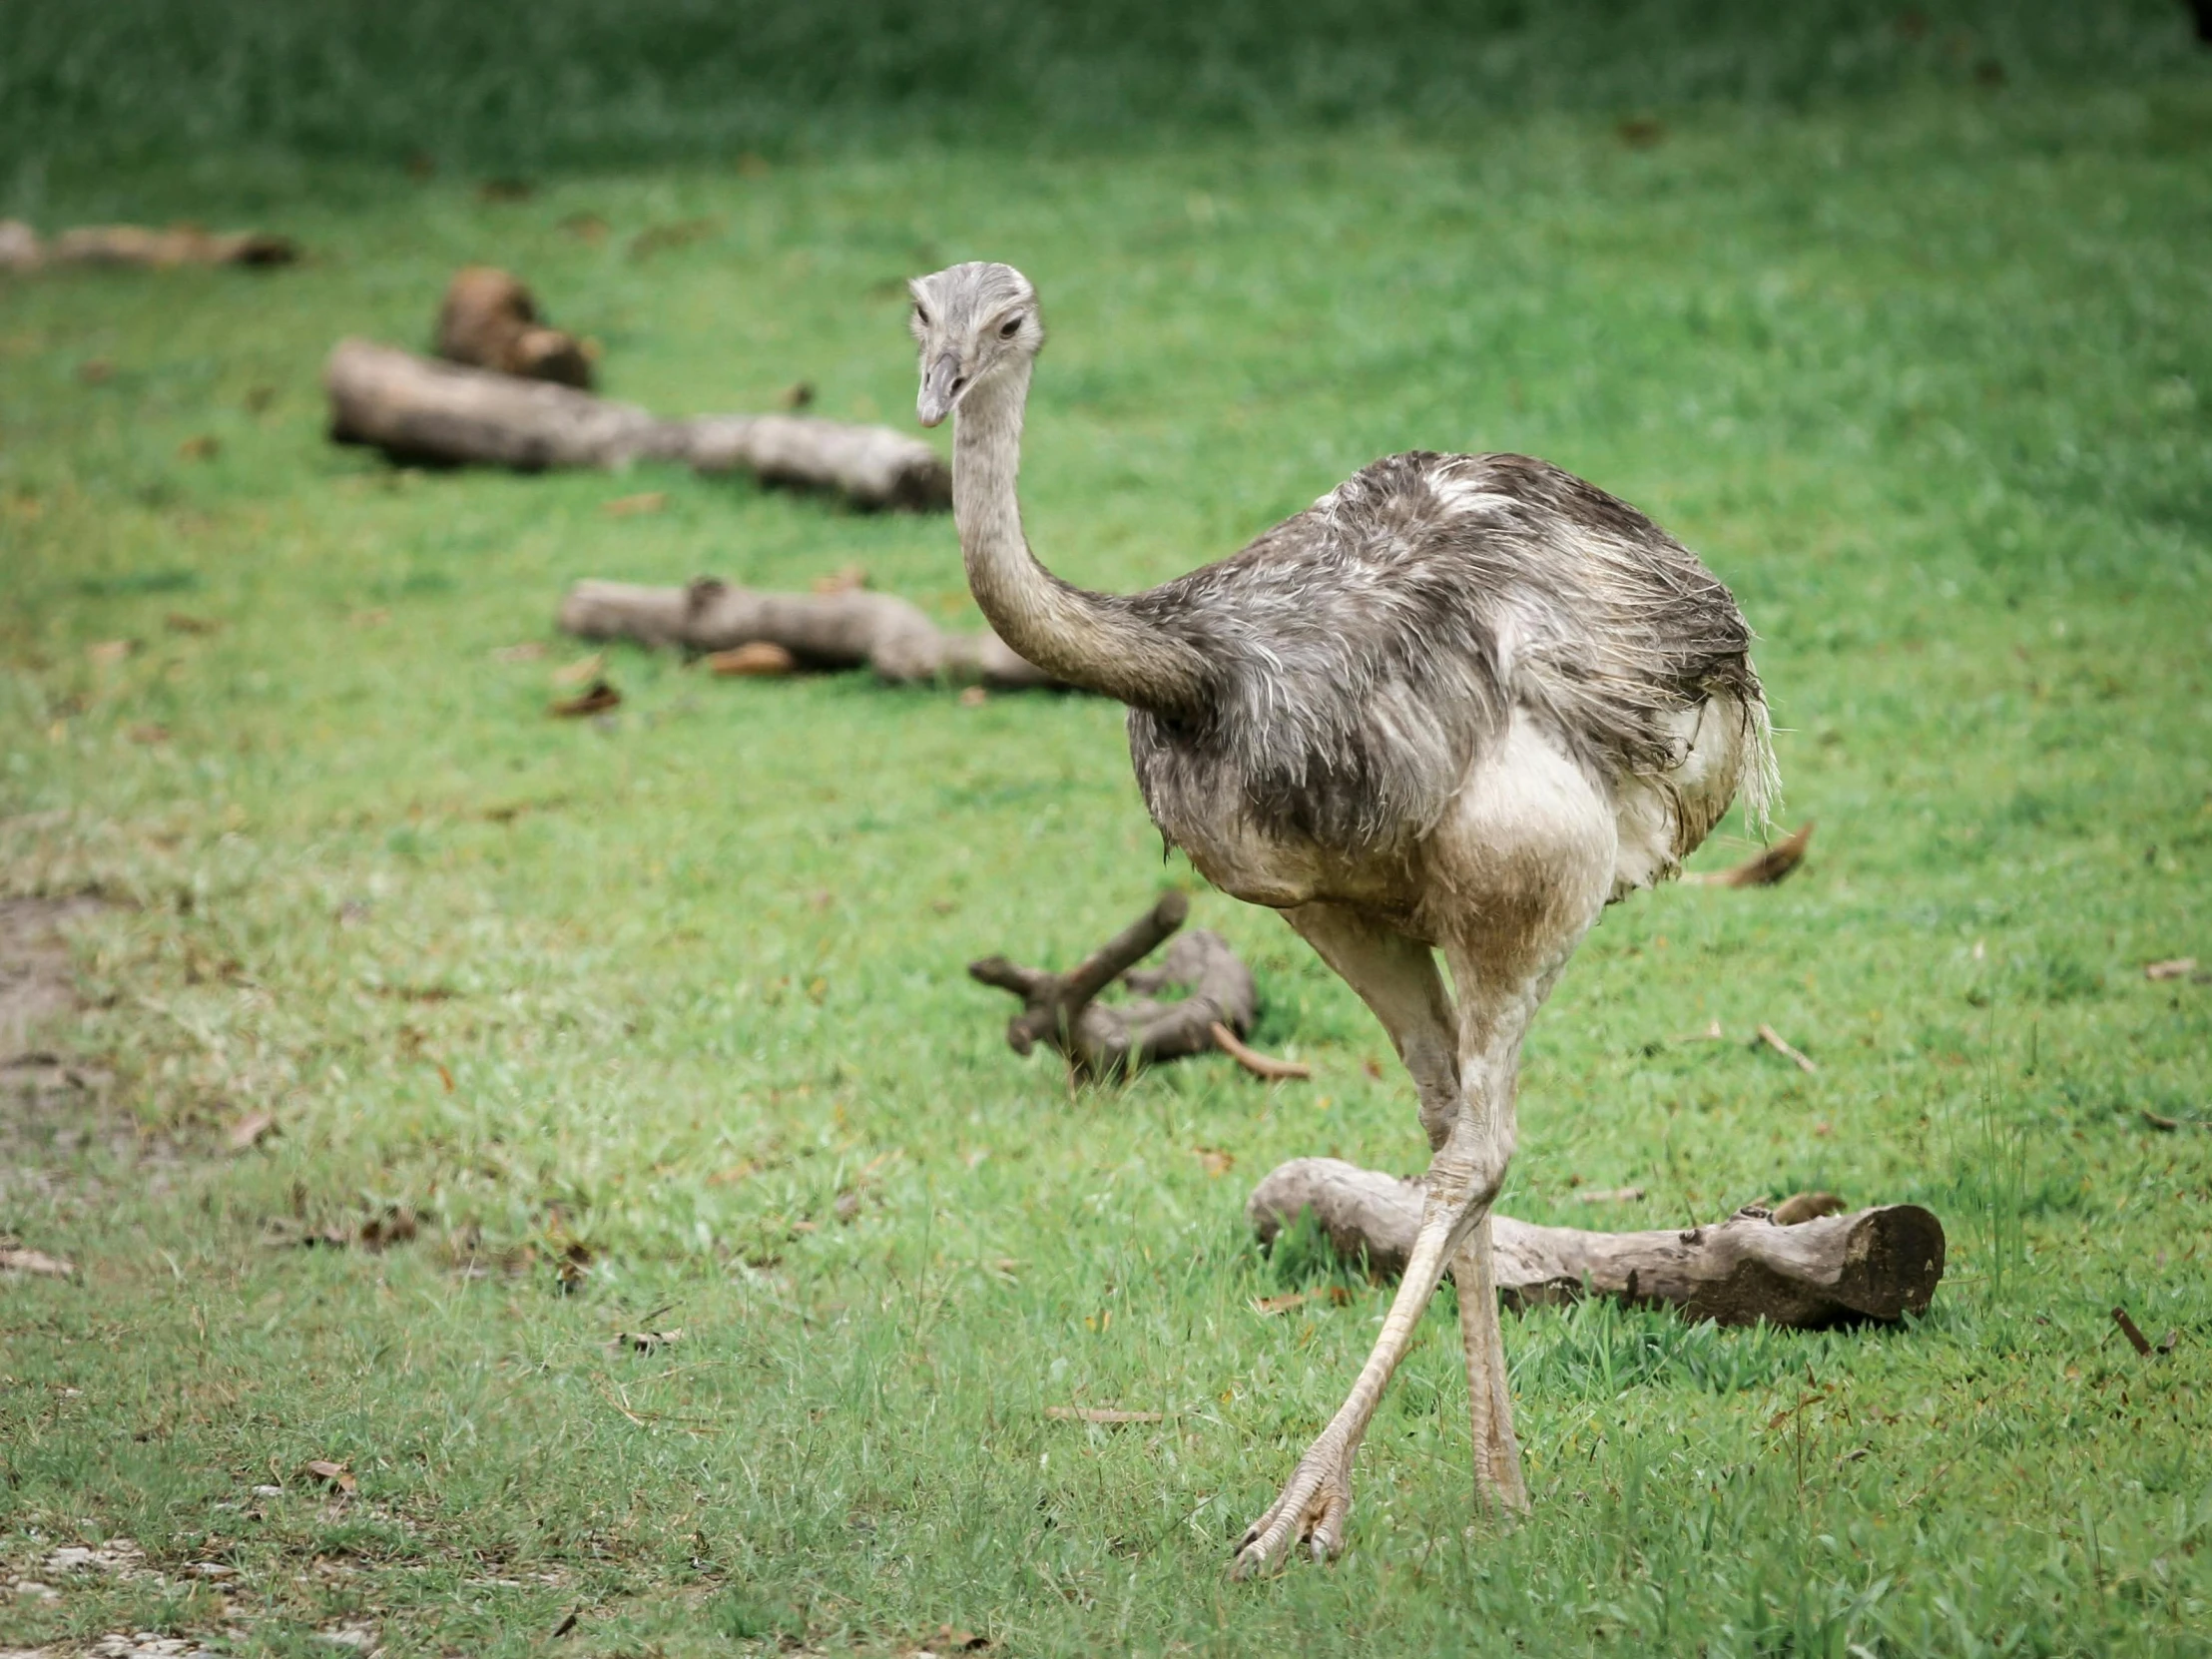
{"x": 393, "y": 1226}
{"x": 755, "y": 658}
{"x": 634, "y": 506}
{"x": 581, "y": 672}
{"x": 1711, "y": 1034}
{"x": 529, "y": 650}
{"x": 1101, "y": 1413}
{"x": 574, "y": 1266}
{"x": 177, "y": 622}
{"x": 595, "y": 699}
{"x": 1335, "y": 1295}
{"x": 1804, "y": 1207}
{"x": 847, "y": 580}
{"x": 148, "y": 732}
{"x": 204, "y": 448}
{"x": 335, "y": 1475}
{"x": 1773, "y": 1039}
{"x": 1763, "y": 869}
{"x": 2132, "y": 1332}
{"x": 644, "y": 1342}
{"x": 1260, "y": 1065}
{"x": 656, "y": 237}
{"x": 1214, "y": 1160}
{"x": 2178, "y": 968}
{"x": 251, "y": 1130}
{"x": 974, "y": 697}
{"x": 36, "y": 1262}
{"x": 2159, "y": 1120}
{"x": 107, "y": 653}
{"x": 1612, "y": 1195}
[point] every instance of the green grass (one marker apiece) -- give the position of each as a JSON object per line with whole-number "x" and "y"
{"x": 1928, "y": 379}
{"x": 502, "y": 84}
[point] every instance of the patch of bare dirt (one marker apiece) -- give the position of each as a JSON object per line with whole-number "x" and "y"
{"x": 55, "y": 1107}
{"x": 36, "y": 984}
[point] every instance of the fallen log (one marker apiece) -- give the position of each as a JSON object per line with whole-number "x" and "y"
{"x": 1111, "y": 1039}
{"x": 418, "y": 409}
{"x": 139, "y": 244}
{"x": 490, "y": 321}
{"x": 1878, "y": 1264}
{"x": 849, "y": 629}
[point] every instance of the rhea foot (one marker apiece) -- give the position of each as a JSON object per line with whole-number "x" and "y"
{"x": 1311, "y": 1514}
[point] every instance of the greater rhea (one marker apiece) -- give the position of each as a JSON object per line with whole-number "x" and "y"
{"x": 1456, "y": 705}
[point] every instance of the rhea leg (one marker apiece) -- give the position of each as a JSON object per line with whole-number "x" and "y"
{"x": 1497, "y": 1463}
{"x": 1463, "y": 1177}
{"x": 1514, "y": 877}
{"x": 1396, "y": 978}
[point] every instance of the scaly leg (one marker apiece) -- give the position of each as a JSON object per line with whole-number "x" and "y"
{"x": 1396, "y": 978}
{"x": 1504, "y": 967}
{"x": 1497, "y": 1464}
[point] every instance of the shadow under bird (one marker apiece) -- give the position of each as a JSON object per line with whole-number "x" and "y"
{"x": 1455, "y": 706}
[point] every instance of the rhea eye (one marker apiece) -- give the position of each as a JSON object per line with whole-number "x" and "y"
{"x": 921, "y": 316}
{"x": 1013, "y": 328}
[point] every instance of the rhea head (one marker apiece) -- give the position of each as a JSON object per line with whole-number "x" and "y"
{"x": 972, "y": 322}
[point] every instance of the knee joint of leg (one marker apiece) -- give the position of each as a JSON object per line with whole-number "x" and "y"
{"x": 1470, "y": 1165}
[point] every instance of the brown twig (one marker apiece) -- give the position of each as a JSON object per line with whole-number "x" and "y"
{"x": 2133, "y": 1332}
{"x": 1260, "y": 1065}
{"x": 1773, "y": 1039}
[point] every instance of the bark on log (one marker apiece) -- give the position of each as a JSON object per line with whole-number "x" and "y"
{"x": 490, "y": 321}
{"x": 1878, "y": 1263}
{"x": 415, "y": 408}
{"x": 1105, "y": 1039}
{"x": 138, "y": 244}
{"x": 852, "y": 629}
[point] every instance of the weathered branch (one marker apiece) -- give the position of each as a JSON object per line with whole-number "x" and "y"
{"x": 1878, "y": 1263}
{"x": 1106, "y": 1039}
{"x": 852, "y": 629}
{"x": 415, "y": 408}
{"x": 21, "y": 249}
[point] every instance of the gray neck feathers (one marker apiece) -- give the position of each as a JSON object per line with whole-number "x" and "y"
{"x": 1091, "y": 640}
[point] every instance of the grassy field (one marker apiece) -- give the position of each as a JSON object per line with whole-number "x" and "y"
{"x": 1928, "y": 379}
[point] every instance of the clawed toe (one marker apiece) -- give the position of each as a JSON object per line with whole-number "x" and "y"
{"x": 1311, "y": 1511}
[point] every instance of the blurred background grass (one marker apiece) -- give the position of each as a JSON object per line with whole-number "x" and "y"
{"x": 569, "y": 82}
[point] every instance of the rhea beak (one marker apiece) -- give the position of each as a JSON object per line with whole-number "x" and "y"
{"x": 941, "y": 386}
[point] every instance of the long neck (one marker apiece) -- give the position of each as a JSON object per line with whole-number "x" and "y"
{"x": 1091, "y": 640}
